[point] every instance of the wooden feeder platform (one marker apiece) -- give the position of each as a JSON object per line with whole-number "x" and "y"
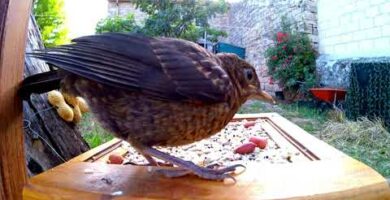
{"x": 327, "y": 174}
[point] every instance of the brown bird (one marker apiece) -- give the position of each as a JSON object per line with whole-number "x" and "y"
{"x": 152, "y": 91}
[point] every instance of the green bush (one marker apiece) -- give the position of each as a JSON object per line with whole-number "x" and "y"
{"x": 179, "y": 19}
{"x": 291, "y": 60}
{"x": 369, "y": 91}
{"x": 51, "y": 21}
{"x": 118, "y": 24}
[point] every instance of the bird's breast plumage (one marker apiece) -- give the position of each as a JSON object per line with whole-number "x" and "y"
{"x": 133, "y": 116}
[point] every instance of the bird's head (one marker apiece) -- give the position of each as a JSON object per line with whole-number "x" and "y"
{"x": 244, "y": 78}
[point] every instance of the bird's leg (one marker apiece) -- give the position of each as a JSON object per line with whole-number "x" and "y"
{"x": 150, "y": 159}
{"x": 173, "y": 172}
{"x": 178, "y": 172}
{"x": 186, "y": 167}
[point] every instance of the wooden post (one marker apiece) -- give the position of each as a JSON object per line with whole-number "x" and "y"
{"x": 13, "y": 25}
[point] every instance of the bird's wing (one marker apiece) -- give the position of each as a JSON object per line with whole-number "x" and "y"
{"x": 163, "y": 68}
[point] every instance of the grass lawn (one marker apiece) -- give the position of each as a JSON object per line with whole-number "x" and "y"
{"x": 363, "y": 140}
{"x": 311, "y": 120}
{"x": 92, "y": 132}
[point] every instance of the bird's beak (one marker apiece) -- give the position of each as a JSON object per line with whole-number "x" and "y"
{"x": 263, "y": 96}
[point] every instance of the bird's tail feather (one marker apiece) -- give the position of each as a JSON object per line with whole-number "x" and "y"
{"x": 40, "y": 83}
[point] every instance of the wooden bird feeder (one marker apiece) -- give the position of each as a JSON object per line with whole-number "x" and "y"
{"x": 327, "y": 173}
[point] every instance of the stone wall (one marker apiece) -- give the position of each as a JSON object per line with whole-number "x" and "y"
{"x": 335, "y": 72}
{"x": 252, "y": 23}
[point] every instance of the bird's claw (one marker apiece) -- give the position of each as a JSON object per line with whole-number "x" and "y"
{"x": 232, "y": 168}
{"x": 188, "y": 167}
{"x": 205, "y": 173}
{"x": 173, "y": 172}
{"x": 161, "y": 164}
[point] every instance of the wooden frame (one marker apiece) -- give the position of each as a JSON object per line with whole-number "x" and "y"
{"x": 330, "y": 175}
{"x": 78, "y": 180}
{"x": 13, "y": 17}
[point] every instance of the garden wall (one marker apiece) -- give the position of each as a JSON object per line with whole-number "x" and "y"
{"x": 347, "y": 30}
{"x": 335, "y": 72}
{"x": 360, "y": 29}
{"x": 252, "y": 23}
{"x": 249, "y": 24}
{"x": 357, "y": 32}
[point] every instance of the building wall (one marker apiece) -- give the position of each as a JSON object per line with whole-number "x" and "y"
{"x": 351, "y": 31}
{"x": 354, "y": 28}
{"x": 123, "y": 8}
{"x": 252, "y": 24}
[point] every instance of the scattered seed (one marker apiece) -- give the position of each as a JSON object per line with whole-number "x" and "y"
{"x": 220, "y": 148}
{"x": 249, "y": 124}
{"x": 107, "y": 181}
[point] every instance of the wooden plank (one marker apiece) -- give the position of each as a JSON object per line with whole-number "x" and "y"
{"x": 282, "y": 131}
{"x": 339, "y": 178}
{"x": 12, "y": 45}
{"x": 99, "y": 150}
{"x": 318, "y": 147}
{"x": 120, "y": 150}
{"x": 331, "y": 179}
{"x": 274, "y": 128}
{"x": 3, "y": 16}
{"x": 103, "y": 151}
{"x": 321, "y": 149}
{"x": 279, "y": 139}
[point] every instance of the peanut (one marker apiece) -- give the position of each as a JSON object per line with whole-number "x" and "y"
{"x": 64, "y": 110}
{"x": 83, "y": 105}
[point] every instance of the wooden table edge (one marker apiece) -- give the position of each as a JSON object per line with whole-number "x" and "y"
{"x": 380, "y": 184}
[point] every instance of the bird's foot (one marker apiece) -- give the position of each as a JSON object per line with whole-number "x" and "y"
{"x": 203, "y": 172}
{"x": 160, "y": 164}
{"x": 151, "y": 161}
{"x": 173, "y": 172}
{"x": 186, "y": 167}
{"x": 231, "y": 169}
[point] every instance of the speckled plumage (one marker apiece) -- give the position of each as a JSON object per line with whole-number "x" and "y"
{"x": 132, "y": 116}
{"x": 156, "y": 91}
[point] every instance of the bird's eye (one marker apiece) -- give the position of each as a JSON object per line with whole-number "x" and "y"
{"x": 248, "y": 74}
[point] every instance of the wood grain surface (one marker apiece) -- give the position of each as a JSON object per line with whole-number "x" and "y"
{"x": 333, "y": 175}
{"x": 12, "y": 44}
{"x": 331, "y": 179}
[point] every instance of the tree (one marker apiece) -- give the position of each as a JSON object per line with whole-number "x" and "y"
{"x": 185, "y": 19}
{"x": 51, "y": 21}
{"x": 117, "y": 24}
